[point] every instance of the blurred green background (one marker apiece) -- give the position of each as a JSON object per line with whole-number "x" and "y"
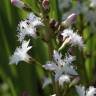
{"x": 26, "y": 79}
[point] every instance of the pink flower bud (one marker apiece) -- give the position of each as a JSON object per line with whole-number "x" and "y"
{"x": 70, "y": 20}
{"x": 53, "y": 24}
{"x": 72, "y": 17}
{"x": 14, "y": 2}
{"x": 20, "y": 4}
{"x": 45, "y": 4}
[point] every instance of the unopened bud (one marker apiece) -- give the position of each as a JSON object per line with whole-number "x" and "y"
{"x": 20, "y": 4}
{"x": 70, "y": 20}
{"x": 45, "y": 4}
{"x": 66, "y": 41}
{"x": 53, "y": 24}
{"x": 74, "y": 81}
{"x": 60, "y": 38}
{"x": 14, "y": 1}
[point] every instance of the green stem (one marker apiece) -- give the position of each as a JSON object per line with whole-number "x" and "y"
{"x": 37, "y": 62}
{"x": 66, "y": 92}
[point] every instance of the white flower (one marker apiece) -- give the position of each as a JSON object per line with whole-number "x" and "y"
{"x": 92, "y": 3}
{"x": 75, "y": 39}
{"x": 46, "y": 82}
{"x": 20, "y": 53}
{"x": 80, "y": 90}
{"x": 28, "y": 27}
{"x": 50, "y": 66}
{"x": 24, "y": 29}
{"x": 89, "y": 92}
{"x": 60, "y": 66}
{"x": 69, "y": 59}
{"x": 34, "y": 20}
{"x": 53, "y": 95}
{"x": 64, "y": 79}
{"x": 57, "y": 57}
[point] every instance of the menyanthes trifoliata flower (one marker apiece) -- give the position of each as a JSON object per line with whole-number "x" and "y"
{"x": 25, "y": 29}
{"x": 73, "y": 38}
{"x": 46, "y": 82}
{"x": 28, "y": 27}
{"x": 61, "y": 66}
{"x": 64, "y": 79}
{"x": 34, "y": 20}
{"x": 20, "y": 53}
{"x": 82, "y": 92}
{"x": 91, "y": 91}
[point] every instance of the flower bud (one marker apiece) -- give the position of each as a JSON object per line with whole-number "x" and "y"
{"x": 53, "y": 23}
{"x": 66, "y": 41}
{"x": 20, "y": 4}
{"x": 70, "y": 20}
{"x": 45, "y": 4}
{"x": 74, "y": 81}
{"x": 14, "y": 1}
{"x": 60, "y": 38}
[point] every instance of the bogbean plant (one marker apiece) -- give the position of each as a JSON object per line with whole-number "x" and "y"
{"x": 63, "y": 74}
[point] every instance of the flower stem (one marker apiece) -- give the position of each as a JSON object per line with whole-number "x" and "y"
{"x": 37, "y": 62}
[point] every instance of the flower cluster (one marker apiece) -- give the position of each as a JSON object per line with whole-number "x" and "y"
{"x": 89, "y": 92}
{"x": 28, "y": 27}
{"x": 25, "y": 28}
{"x": 60, "y": 66}
{"x": 74, "y": 38}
